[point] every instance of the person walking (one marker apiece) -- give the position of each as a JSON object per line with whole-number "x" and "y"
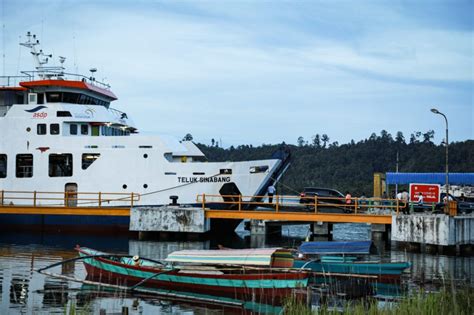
{"x": 271, "y": 191}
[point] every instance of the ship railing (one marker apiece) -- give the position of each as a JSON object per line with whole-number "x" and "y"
{"x": 53, "y": 73}
{"x": 68, "y": 199}
{"x": 316, "y": 204}
{"x": 13, "y": 80}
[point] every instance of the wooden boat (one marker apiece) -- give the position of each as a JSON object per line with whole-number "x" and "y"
{"x": 334, "y": 264}
{"x": 325, "y": 260}
{"x": 335, "y": 247}
{"x": 244, "y": 282}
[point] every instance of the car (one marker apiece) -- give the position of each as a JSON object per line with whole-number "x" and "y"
{"x": 331, "y": 197}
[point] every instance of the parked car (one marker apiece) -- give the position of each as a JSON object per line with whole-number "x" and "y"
{"x": 328, "y": 196}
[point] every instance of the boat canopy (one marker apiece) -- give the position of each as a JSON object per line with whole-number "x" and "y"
{"x": 271, "y": 257}
{"x": 430, "y": 178}
{"x": 325, "y": 248}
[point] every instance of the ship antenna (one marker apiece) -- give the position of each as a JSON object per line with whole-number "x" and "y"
{"x": 92, "y": 70}
{"x": 3, "y": 35}
{"x": 42, "y": 59}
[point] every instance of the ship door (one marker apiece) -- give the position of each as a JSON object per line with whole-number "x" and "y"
{"x": 70, "y": 195}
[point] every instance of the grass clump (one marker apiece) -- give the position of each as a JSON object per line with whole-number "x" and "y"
{"x": 447, "y": 301}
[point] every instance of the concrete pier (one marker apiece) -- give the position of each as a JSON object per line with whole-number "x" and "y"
{"x": 380, "y": 231}
{"x": 435, "y": 233}
{"x": 322, "y": 229}
{"x": 168, "y": 219}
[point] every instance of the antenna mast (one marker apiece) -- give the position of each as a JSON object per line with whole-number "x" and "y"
{"x": 42, "y": 59}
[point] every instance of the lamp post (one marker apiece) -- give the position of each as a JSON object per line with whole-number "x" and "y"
{"x": 435, "y": 111}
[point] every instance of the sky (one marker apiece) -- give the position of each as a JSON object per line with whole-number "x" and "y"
{"x": 264, "y": 72}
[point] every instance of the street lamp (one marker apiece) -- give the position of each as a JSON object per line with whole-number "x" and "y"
{"x": 435, "y": 111}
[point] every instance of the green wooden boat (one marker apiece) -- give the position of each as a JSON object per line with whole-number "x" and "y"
{"x": 234, "y": 281}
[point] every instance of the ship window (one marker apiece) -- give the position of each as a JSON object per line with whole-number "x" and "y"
{"x": 32, "y": 98}
{"x": 24, "y": 165}
{"x": 53, "y": 97}
{"x": 54, "y": 129}
{"x": 145, "y": 146}
{"x": 60, "y": 165}
{"x": 63, "y": 113}
{"x": 40, "y": 98}
{"x": 70, "y": 98}
{"x": 170, "y": 173}
{"x": 95, "y": 130}
{"x": 3, "y": 165}
{"x": 73, "y": 129}
{"x": 84, "y": 129}
{"x": 258, "y": 169}
{"x": 225, "y": 171}
{"x": 88, "y": 159}
{"x": 199, "y": 173}
{"x": 41, "y": 129}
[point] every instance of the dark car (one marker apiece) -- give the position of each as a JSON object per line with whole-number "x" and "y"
{"x": 331, "y": 197}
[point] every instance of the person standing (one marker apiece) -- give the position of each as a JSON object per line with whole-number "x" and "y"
{"x": 271, "y": 191}
{"x": 348, "y": 201}
{"x": 404, "y": 199}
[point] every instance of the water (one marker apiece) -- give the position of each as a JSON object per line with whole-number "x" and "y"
{"x": 25, "y": 291}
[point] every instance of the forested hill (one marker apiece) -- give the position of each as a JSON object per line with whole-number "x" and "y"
{"x": 350, "y": 167}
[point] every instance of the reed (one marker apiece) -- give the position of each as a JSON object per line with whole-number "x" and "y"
{"x": 449, "y": 300}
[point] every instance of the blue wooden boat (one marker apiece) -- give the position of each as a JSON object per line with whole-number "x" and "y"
{"x": 335, "y": 247}
{"x": 349, "y": 265}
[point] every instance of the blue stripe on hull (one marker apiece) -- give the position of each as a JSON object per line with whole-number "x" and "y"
{"x": 64, "y": 220}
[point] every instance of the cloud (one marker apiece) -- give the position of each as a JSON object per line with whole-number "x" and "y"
{"x": 264, "y": 72}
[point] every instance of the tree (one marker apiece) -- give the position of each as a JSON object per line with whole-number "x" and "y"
{"x": 324, "y": 139}
{"x": 317, "y": 141}
{"x": 300, "y": 141}
{"x": 213, "y": 142}
{"x": 427, "y": 136}
{"x": 399, "y": 138}
{"x": 188, "y": 137}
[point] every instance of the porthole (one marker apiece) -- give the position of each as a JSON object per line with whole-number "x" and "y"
{"x": 145, "y": 156}
{"x": 145, "y": 186}
{"x": 124, "y": 186}
{"x": 28, "y": 129}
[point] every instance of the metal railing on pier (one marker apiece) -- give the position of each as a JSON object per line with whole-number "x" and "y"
{"x": 315, "y": 204}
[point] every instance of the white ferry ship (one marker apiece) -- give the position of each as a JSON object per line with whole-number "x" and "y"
{"x": 58, "y": 133}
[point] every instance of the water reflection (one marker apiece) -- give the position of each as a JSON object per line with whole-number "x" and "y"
{"x": 24, "y": 291}
{"x": 55, "y": 293}
{"x": 19, "y": 290}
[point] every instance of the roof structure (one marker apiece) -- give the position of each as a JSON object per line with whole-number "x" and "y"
{"x": 430, "y": 178}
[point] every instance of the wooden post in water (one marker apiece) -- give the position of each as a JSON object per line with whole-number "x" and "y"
{"x": 124, "y": 310}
